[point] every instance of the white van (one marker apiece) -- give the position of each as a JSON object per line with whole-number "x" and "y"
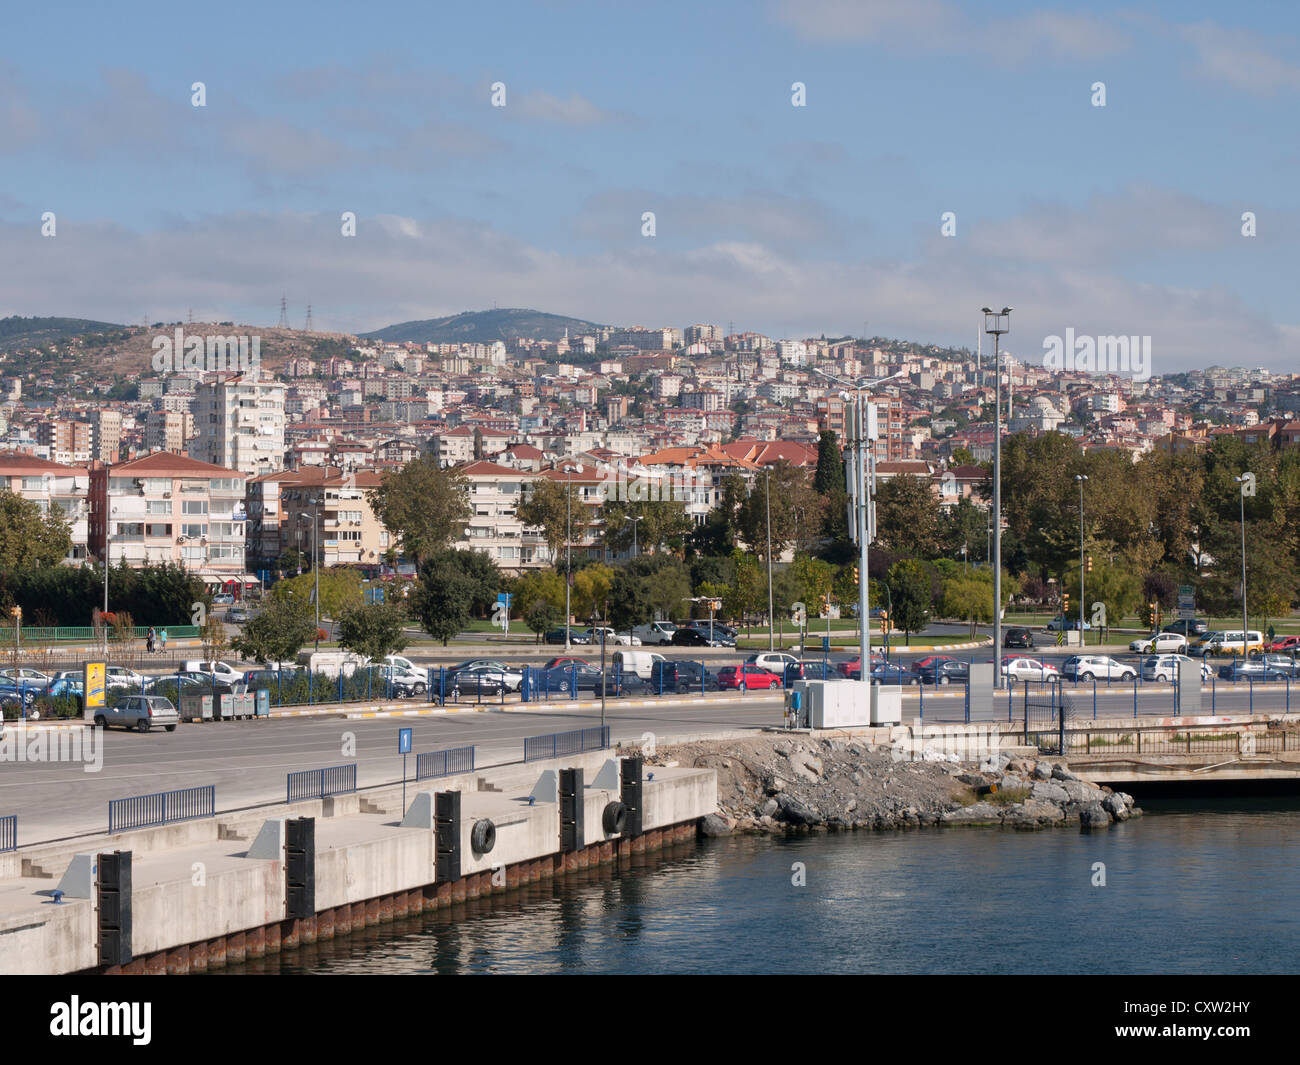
{"x": 639, "y": 662}
{"x": 222, "y": 671}
{"x": 1231, "y": 641}
{"x": 332, "y": 663}
{"x": 655, "y": 633}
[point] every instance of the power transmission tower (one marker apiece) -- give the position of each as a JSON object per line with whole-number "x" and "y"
{"x": 307, "y": 327}
{"x": 190, "y": 317}
{"x": 284, "y": 314}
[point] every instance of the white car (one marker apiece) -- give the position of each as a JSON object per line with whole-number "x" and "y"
{"x": 1096, "y": 667}
{"x": 655, "y": 633}
{"x": 510, "y": 676}
{"x": 610, "y": 636}
{"x": 774, "y": 661}
{"x": 1160, "y": 643}
{"x": 222, "y": 671}
{"x": 25, "y": 675}
{"x": 1164, "y": 668}
{"x": 121, "y": 677}
{"x": 1028, "y": 669}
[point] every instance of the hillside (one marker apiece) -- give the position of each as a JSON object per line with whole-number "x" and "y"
{"x": 17, "y": 333}
{"x": 483, "y": 327}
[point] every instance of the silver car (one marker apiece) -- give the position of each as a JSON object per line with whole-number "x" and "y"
{"x": 140, "y": 712}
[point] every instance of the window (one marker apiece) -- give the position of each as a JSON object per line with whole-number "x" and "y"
{"x": 194, "y": 531}
{"x": 158, "y": 506}
{"x": 33, "y": 484}
{"x": 158, "y": 529}
{"x": 350, "y": 534}
{"x": 194, "y": 506}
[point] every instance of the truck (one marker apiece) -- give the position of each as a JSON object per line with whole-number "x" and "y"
{"x": 332, "y": 663}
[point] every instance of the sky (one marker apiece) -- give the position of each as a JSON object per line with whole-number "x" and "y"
{"x": 825, "y": 218}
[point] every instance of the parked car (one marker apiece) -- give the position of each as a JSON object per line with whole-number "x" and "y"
{"x": 222, "y": 599}
{"x": 1173, "y": 643}
{"x": 1284, "y": 643}
{"x": 1018, "y": 637}
{"x": 883, "y": 672}
{"x": 940, "y": 670}
{"x": 510, "y": 675}
{"x": 26, "y": 675}
{"x": 1283, "y": 664}
{"x": 1058, "y": 624}
{"x": 1096, "y": 667}
{"x": 571, "y": 677}
{"x": 64, "y": 688}
{"x": 473, "y": 680}
{"x": 1189, "y": 627}
{"x": 190, "y": 682}
{"x": 121, "y": 677}
{"x": 387, "y": 679}
{"x": 19, "y": 693}
{"x": 558, "y": 636}
{"x": 682, "y": 676}
{"x": 721, "y": 635}
{"x": 238, "y": 615}
{"x": 551, "y": 663}
{"x": 1250, "y": 669}
{"x": 140, "y": 712}
{"x": 604, "y": 634}
{"x": 747, "y": 676}
{"x": 223, "y": 671}
{"x": 656, "y": 633}
{"x": 776, "y": 661}
{"x": 634, "y": 663}
{"x": 1164, "y": 668}
{"x": 693, "y": 637}
{"x": 851, "y": 668}
{"x": 1028, "y": 669}
{"x": 812, "y": 669}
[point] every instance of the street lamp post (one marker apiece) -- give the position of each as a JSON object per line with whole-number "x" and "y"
{"x": 633, "y": 522}
{"x": 771, "y": 614}
{"x": 568, "y": 548}
{"x": 996, "y": 324}
{"x": 1245, "y": 625}
{"x": 1081, "y": 477}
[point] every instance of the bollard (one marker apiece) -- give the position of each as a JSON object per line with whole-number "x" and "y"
{"x": 1094, "y": 693}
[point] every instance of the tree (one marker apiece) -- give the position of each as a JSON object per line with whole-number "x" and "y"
{"x": 340, "y": 590}
{"x": 661, "y": 523}
{"x": 423, "y": 505}
{"x": 28, "y": 538}
{"x": 440, "y": 601}
{"x": 969, "y": 597}
{"x": 796, "y": 511}
{"x": 828, "y": 482}
{"x": 907, "y": 517}
{"x": 544, "y": 586}
{"x": 276, "y": 633}
{"x": 374, "y": 630}
{"x": 591, "y": 587}
{"x": 909, "y": 581}
{"x": 213, "y": 637}
{"x": 542, "y": 616}
{"x": 630, "y": 602}
{"x": 481, "y": 571}
{"x": 550, "y": 508}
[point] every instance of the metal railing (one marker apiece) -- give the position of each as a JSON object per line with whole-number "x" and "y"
{"x": 162, "y": 808}
{"x": 320, "y": 783}
{"x": 558, "y": 744}
{"x": 9, "y": 833}
{"x": 1169, "y": 740}
{"x": 444, "y": 763}
{"x": 88, "y": 634}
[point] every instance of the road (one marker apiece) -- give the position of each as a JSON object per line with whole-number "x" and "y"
{"x": 247, "y": 760}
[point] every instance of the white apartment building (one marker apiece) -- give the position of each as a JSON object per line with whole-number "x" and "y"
{"x": 239, "y": 423}
{"x": 494, "y": 528}
{"x": 49, "y": 484}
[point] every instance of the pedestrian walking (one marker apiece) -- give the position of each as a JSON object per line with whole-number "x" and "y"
{"x": 151, "y": 639}
{"x": 162, "y": 639}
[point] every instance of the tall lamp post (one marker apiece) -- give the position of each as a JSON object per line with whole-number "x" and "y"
{"x": 314, "y": 502}
{"x": 997, "y": 323}
{"x": 633, "y": 523}
{"x": 568, "y": 548}
{"x": 771, "y": 614}
{"x": 1243, "y": 480}
{"x": 1081, "y": 477}
{"x": 863, "y": 512}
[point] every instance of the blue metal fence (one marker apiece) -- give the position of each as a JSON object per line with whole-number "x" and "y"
{"x": 162, "y": 808}
{"x": 444, "y": 763}
{"x": 9, "y": 833}
{"x": 319, "y": 783}
{"x": 558, "y": 744}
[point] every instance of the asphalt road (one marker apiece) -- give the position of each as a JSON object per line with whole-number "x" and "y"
{"x": 247, "y": 761}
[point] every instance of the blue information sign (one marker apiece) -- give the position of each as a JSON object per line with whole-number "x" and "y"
{"x": 404, "y": 740}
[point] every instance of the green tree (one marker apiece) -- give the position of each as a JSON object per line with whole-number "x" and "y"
{"x": 340, "y": 590}
{"x": 28, "y": 538}
{"x": 907, "y": 517}
{"x": 909, "y": 581}
{"x": 281, "y": 629}
{"x": 541, "y": 616}
{"x": 423, "y": 505}
{"x": 797, "y": 511}
{"x": 440, "y": 600}
{"x": 374, "y": 630}
{"x": 543, "y": 586}
{"x": 660, "y": 523}
{"x": 483, "y": 573}
{"x": 591, "y": 586}
{"x": 550, "y": 507}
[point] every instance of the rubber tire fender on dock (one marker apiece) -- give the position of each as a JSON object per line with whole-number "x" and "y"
{"x": 614, "y": 818}
{"x": 483, "y": 836}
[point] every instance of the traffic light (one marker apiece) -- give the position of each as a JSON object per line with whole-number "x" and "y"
{"x": 17, "y": 613}
{"x": 884, "y": 622}
{"x": 1089, "y": 563}
{"x": 855, "y": 574}
{"x": 826, "y": 603}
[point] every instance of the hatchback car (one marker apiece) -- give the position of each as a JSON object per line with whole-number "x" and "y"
{"x": 139, "y": 712}
{"x": 777, "y": 662}
{"x": 940, "y": 670}
{"x": 1018, "y": 637}
{"x": 1059, "y": 624}
{"x": 570, "y": 677}
{"x": 1164, "y": 668}
{"x": 888, "y": 673}
{"x": 681, "y": 676}
{"x": 1028, "y": 669}
{"x": 509, "y": 675}
{"x": 1189, "y": 627}
{"x": 747, "y": 677}
{"x": 693, "y": 637}
{"x": 1172, "y": 643}
{"x": 1284, "y": 643}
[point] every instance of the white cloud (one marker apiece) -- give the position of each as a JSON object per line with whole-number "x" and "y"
{"x": 1243, "y": 59}
{"x": 573, "y": 110}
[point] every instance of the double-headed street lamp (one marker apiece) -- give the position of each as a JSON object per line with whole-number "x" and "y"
{"x": 1080, "y": 477}
{"x": 996, "y": 323}
{"x": 633, "y": 523}
{"x": 315, "y": 503}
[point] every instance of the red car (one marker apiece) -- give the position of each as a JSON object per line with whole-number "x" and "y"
{"x": 751, "y": 676}
{"x": 930, "y": 662}
{"x": 562, "y": 661}
{"x": 1284, "y": 643}
{"x": 853, "y": 667}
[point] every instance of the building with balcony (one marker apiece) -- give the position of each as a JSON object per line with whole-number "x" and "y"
{"x": 239, "y": 423}
{"x": 167, "y": 508}
{"x": 49, "y": 484}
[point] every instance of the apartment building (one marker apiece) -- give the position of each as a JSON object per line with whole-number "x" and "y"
{"x": 68, "y": 441}
{"x": 105, "y": 434}
{"x": 168, "y": 430}
{"x": 494, "y": 528}
{"x": 49, "y": 484}
{"x": 349, "y": 531}
{"x": 168, "y": 508}
{"x": 239, "y": 423}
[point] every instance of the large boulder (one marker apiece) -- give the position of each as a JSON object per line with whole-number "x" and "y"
{"x": 1061, "y": 773}
{"x": 1081, "y": 791}
{"x": 1046, "y": 791}
{"x": 980, "y": 813}
{"x": 1115, "y": 805}
{"x": 715, "y": 825}
{"x": 1092, "y": 816}
{"x": 1032, "y": 813}
{"x": 795, "y": 812}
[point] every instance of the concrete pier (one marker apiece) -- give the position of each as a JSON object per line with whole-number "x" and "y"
{"x": 199, "y": 902}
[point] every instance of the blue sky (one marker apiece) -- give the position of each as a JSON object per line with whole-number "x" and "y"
{"x": 789, "y": 220}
